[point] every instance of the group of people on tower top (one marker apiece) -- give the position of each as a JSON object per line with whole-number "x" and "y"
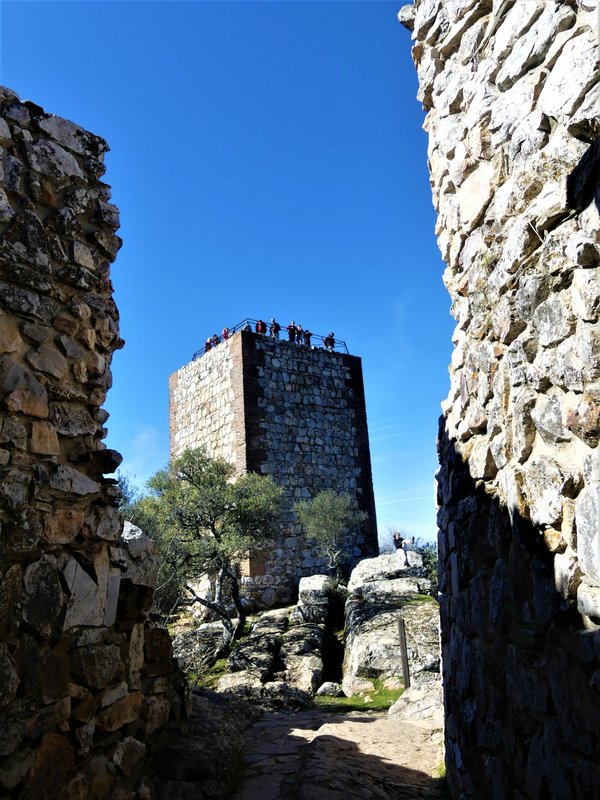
{"x": 296, "y": 333}
{"x": 214, "y": 340}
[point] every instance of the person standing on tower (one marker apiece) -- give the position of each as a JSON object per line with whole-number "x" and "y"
{"x": 291, "y": 329}
{"x": 307, "y": 335}
{"x": 261, "y": 327}
{"x": 275, "y": 328}
{"x": 299, "y": 333}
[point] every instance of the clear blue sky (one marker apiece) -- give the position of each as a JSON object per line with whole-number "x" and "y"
{"x": 268, "y": 160}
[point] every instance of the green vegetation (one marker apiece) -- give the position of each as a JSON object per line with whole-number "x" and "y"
{"x": 328, "y": 518}
{"x": 204, "y": 523}
{"x": 379, "y": 700}
{"x": 429, "y": 553}
{"x": 211, "y": 677}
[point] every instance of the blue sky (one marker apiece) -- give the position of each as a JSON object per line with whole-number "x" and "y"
{"x": 268, "y": 160}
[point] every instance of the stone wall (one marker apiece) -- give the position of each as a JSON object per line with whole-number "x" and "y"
{"x": 85, "y": 678}
{"x": 512, "y": 99}
{"x": 292, "y": 412}
{"x": 207, "y": 405}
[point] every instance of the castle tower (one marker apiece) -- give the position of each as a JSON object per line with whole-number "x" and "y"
{"x": 289, "y": 411}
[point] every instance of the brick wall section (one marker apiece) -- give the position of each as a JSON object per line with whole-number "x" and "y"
{"x": 303, "y": 418}
{"x": 85, "y": 678}
{"x": 511, "y": 92}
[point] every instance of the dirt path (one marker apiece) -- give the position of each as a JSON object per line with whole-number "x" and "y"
{"x": 312, "y": 755}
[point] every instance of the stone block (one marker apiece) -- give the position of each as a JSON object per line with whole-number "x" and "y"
{"x": 44, "y": 439}
{"x": 587, "y": 517}
{"x": 72, "y": 481}
{"x": 63, "y": 526}
{"x": 84, "y": 606}
{"x": 52, "y": 761}
{"x": 44, "y": 599}
{"x": 22, "y": 392}
{"x": 96, "y": 665}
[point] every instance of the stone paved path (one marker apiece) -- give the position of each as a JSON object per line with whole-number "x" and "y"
{"x": 312, "y": 755}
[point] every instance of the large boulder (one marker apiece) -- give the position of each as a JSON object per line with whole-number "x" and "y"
{"x": 385, "y": 590}
{"x": 314, "y": 597}
{"x": 421, "y": 703}
{"x": 198, "y": 649}
{"x": 402, "y": 563}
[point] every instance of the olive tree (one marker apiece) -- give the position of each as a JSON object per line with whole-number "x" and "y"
{"x": 206, "y": 522}
{"x": 329, "y": 518}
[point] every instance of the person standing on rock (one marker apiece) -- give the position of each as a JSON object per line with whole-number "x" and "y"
{"x": 307, "y": 335}
{"x": 399, "y": 545}
{"x": 261, "y": 327}
{"x": 275, "y": 328}
{"x": 291, "y": 329}
{"x": 299, "y": 333}
{"x": 329, "y": 341}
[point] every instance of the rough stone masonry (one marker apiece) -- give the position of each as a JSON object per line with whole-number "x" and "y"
{"x": 512, "y": 98}
{"x": 85, "y": 677}
{"x": 294, "y": 413}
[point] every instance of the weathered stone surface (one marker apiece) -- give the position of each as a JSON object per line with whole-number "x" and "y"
{"x": 50, "y": 159}
{"x": 72, "y": 481}
{"x": 9, "y": 678}
{"x": 84, "y": 606}
{"x": 198, "y": 649}
{"x": 142, "y": 559}
{"x": 121, "y": 712}
{"x": 515, "y": 94}
{"x": 21, "y": 391}
{"x": 330, "y": 689}
{"x": 44, "y": 599}
{"x": 97, "y": 665}
{"x": 420, "y": 703}
{"x": 128, "y": 753}
{"x": 386, "y": 567}
{"x": 44, "y": 439}
{"x": 587, "y": 515}
{"x": 314, "y": 596}
{"x": 51, "y": 763}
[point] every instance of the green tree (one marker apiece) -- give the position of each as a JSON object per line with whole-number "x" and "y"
{"x": 330, "y": 519}
{"x": 205, "y": 522}
{"x": 429, "y": 553}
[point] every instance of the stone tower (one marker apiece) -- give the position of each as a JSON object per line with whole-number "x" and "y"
{"x": 289, "y": 411}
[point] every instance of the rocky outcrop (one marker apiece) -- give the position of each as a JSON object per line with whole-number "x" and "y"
{"x": 511, "y": 92}
{"x": 384, "y": 590}
{"x": 86, "y": 677}
{"x": 278, "y": 664}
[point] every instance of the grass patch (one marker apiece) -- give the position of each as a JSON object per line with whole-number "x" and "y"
{"x": 419, "y": 598}
{"x": 211, "y": 677}
{"x": 379, "y": 700}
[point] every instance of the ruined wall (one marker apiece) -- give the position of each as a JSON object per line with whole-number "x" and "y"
{"x": 295, "y": 413}
{"x": 85, "y": 678}
{"x": 512, "y": 99}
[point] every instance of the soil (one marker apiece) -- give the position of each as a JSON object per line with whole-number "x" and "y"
{"x": 314, "y": 755}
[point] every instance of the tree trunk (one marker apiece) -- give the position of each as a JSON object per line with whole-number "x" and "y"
{"x": 237, "y": 602}
{"x": 219, "y": 585}
{"x": 219, "y": 610}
